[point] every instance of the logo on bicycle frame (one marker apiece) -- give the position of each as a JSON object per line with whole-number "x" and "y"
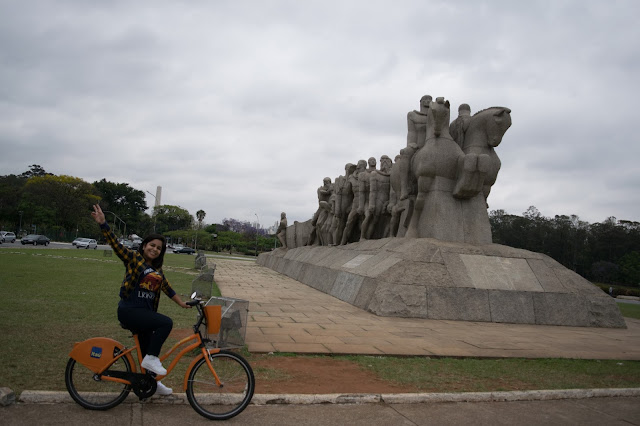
{"x": 96, "y": 352}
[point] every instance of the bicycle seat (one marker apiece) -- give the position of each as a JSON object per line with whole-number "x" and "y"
{"x": 132, "y": 330}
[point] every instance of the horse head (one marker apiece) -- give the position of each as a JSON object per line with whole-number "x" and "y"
{"x": 492, "y": 123}
{"x": 438, "y": 119}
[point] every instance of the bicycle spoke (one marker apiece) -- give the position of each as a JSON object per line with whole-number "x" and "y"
{"x": 90, "y": 391}
{"x": 231, "y": 397}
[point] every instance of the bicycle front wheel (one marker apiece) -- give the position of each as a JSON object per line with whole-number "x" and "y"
{"x": 90, "y": 391}
{"x": 221, "y": 402}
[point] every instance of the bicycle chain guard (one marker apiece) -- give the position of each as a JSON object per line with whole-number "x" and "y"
{"x": 144, "y": 386}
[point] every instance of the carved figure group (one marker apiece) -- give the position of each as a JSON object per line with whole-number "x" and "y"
{"x": 436, "y": 187}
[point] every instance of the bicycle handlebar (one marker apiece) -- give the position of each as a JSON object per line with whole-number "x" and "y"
{"x": 192, "y": 302}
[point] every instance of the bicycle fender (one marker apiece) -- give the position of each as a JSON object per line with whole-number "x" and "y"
{"x": 98, "y": 352}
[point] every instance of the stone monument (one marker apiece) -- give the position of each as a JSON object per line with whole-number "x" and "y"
{"x": 413, "y": 239}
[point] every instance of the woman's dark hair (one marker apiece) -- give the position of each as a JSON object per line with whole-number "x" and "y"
{"x": 157, "y": 262}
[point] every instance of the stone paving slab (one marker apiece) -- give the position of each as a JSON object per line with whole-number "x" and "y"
{"x": 288, "y": 316}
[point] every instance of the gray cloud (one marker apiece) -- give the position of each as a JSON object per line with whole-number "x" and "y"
{"x": 240, "y": 108}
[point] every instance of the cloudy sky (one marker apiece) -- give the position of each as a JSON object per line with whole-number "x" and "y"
{"x": 241, "y": 108}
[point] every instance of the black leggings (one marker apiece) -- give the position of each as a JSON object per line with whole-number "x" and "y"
{"x": 151, "y": 327}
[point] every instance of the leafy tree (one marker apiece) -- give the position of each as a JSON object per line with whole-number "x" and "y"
{"x": 11, "y": 187}
{"x": 630, "y": 268}
{"x": 58, "y": 202}
{"x": 127, "y": 203}
{"x": 35, "y": 170}
{"x": 606, "y": 272}
{"x": 607, "y": 241}
{"x": 200, "y": 214}
{"x": 238, "y": 226}
{"x": 171, "y": 218}
{"x": 230, "y": 240}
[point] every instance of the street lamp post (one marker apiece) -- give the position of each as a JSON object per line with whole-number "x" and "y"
{"x": 116, "y": 217}
{"x": 20, "y": 227}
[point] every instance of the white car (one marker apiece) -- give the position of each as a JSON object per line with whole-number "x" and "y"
{"x": 7, "y": 237}
{"x": 85, "y": 243}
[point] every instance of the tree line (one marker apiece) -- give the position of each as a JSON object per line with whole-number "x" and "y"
{"x": 606, "y": 252}
{"x": 58, "y": 206}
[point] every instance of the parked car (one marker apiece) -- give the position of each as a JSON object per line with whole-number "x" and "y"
{"x": 7, "y": 237}
{"x": 186, "y": 250}
{"x": 35, "y": 240}
{"x": 85, "y": 243}
{"x": 136, "y": 243}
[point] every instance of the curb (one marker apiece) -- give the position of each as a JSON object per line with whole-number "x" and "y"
{"x": 51, "y": 397}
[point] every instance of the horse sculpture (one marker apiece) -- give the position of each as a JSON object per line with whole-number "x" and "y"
{"x": 483, "y": 133}
{"x": 453, "y": 181}
{"x": 435, "y": 166}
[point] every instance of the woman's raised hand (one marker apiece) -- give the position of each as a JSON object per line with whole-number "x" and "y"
{"x": 98, "y": 215}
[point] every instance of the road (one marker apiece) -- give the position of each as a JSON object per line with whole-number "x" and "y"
{"x": 54, "y": 245}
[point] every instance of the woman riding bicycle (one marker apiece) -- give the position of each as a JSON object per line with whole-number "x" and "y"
{"x": 140, "y": 295}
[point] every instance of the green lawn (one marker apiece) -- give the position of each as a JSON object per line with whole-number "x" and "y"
{"x": 630, "y": 310}
{"x": 484, "y": 375}
{"x": 53, "y": 298}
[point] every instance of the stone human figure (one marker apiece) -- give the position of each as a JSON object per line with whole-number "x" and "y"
{"x": 376, "y": 212}
{"x": 344, "y": 199}
{"x": 324, "y": 195}
{"x": 459, "y": 126}
{"x": 416, "y": 134}
{"x": 328, "y": 224}
{"x": 354, "y": 217}
{"x": 281, "y": 233}
{"x": 363, "y": 181}
{"x": 394, "y": 208}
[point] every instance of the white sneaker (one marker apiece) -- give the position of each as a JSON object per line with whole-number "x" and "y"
{"x": 152, "y": 363}
{"x": 163, "y": 390}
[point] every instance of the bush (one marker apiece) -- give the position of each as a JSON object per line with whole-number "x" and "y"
{"x": 606, "y": 272}
{"x": 619, "y": 290}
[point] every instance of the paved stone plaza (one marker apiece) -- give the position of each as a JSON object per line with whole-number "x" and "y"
{"x": 288, "y": 316}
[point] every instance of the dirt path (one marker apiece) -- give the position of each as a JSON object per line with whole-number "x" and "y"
{"x": 309, "y": 375}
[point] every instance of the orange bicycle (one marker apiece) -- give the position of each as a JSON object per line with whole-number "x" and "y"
{"x": 219, "y": 383}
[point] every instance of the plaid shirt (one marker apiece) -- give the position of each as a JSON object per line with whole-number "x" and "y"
{"x": 135, "y": 266}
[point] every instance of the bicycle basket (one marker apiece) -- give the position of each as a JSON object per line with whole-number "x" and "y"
{"x": 226, "y": 322}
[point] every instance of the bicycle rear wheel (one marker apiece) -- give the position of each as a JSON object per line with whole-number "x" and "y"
{"x": 90, "y": 391}
{"x": 221, "y": 402}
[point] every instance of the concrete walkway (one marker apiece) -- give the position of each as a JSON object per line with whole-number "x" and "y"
{"x": 592, "y": 411}
{"x": 288, "y": 316}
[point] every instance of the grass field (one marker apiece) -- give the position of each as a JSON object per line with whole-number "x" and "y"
{"x": 53, "y": 298}
{"x": 630, "y": 310}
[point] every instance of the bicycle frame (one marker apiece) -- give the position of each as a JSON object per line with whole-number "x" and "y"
{"x": 90, "y": 354}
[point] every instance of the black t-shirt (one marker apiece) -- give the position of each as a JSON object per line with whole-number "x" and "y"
{"x": 146, "y": 290}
